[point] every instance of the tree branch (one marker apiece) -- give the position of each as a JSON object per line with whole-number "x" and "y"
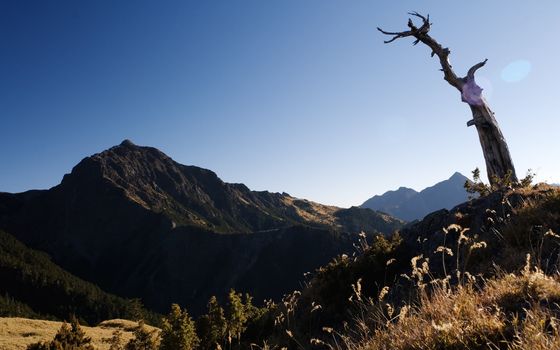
{"x": 424, "y": 19}
{"x": 397, "y": 35}
{"x": 421, "y": 35}
{"x": 473, "y": 69}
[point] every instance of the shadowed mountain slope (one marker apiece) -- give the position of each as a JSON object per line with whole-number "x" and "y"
{"x": 33, "y": 286}
{"x": 142, "y": 225}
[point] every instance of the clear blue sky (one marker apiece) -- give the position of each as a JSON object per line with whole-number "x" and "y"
{"x": 300, "y": 96}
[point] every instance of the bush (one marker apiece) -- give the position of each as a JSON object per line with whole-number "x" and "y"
{"x": 212, "y": 326}
{"x": 143, "y": 339}
{"x": 178, "y": 331}
{"x": 67, "y": 338}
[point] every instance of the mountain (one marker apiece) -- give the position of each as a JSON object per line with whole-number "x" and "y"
{"x": 408, "y": 204}
{"x": 139, "y": 224}
{"x": 33, "y": 286}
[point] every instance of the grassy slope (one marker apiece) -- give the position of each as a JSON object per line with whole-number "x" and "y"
{"x": 16, "y": 333}
{"x": 513, "y": 303}
{"x": 512, "y": 311}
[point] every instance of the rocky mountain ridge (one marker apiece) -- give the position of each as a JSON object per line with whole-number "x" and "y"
{"x": 193, "y": 196}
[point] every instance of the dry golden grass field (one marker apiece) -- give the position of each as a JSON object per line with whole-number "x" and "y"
{"x": 16, "y": 333}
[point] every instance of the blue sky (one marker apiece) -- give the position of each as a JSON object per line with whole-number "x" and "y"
{"x": 295, "y": 96}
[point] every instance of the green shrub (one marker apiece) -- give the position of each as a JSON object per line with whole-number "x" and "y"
{"x": 178, "y": 331}
{"x": 212, "y": 326}
{"x": 143, "y": 339}
{"x": 67, "y": 338}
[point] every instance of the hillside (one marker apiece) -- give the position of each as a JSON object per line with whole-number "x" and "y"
{"x": 33, "y": 286}
{"x": 483, "y": 275}
{"x": 140, "y": 225}
{"x": 16, "y": 333}
{"x": 408, "y": 204}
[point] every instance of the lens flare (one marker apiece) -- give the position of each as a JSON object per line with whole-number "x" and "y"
{"x": 486, "y": 85}
{"x": 516, "y": 71}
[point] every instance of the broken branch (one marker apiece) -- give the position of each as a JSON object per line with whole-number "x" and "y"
{"x": 473, "y": 69}
{"x": 397, "y": 35}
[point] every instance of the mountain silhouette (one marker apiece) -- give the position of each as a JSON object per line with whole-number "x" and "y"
{"x": 408, "y": 204}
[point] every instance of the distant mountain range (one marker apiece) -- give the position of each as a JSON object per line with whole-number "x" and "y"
{"x": 408, "y": 204}
{"x": 138, "y": 224}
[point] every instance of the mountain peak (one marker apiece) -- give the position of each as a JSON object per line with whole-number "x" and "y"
{"x": 458, "y": 176}
{"x": 193, "y": 196}
{"x": 405, "y": 189}
{"x": 407, "y": 204}
{"x": 127, "y": 143}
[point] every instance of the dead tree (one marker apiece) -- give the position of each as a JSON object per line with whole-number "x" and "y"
{"x": 496, "y": 153}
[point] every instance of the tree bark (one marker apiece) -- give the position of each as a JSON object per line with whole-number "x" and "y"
{"x": 499, "y": 164}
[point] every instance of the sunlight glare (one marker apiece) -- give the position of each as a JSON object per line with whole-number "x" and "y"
{"x": 516, "y": 71}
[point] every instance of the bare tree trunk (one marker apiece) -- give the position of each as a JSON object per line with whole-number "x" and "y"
{"x": 499, "y": 164}
{"x": 496, "y": 153}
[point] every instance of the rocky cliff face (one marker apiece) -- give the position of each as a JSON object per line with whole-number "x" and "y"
{"x": 142, "y": 225}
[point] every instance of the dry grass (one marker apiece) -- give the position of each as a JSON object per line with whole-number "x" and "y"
{"x": 444, "y": 321}
{"x": 526, "y": 230}
{"x": 17, "y": 333}
{"x": 513, "y": 311}
{"x": 311, "y": 211}
{"x": 538, "y": 331}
